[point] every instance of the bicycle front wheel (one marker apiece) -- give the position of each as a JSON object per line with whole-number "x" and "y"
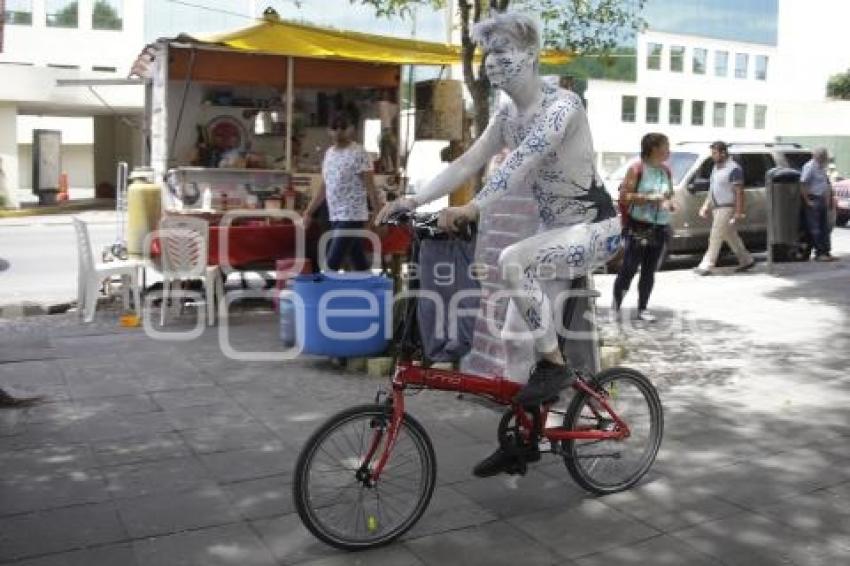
{"x": 609, "y": 466}
{"x": 334, "y": 493}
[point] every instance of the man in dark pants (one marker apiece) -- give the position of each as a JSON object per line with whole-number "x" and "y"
{"x": 349, "y": 189}
{"x": 818, "y": 202}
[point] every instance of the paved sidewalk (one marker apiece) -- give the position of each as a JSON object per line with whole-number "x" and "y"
{"x": 166, "y": 453}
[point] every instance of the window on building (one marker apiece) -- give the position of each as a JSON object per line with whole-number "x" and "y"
{"x": 761, "y": 67}
{"x": 697, "y": 113}
{"x": 719, "y": 114}
{"x": 104, "y": 69}
{"x": 675, "y": 111}
{"x": 740, "y": 116}
{"x": 721, "y": 63}
{"x": 18, "y": 12}
{"x": 628, "y": 112}
{"x": 653, "y": 108}
{"x": 653, "y": 57}
{"x": 61, "y": 66}
{"x": 760, "y": 118}
{"x": 62, "y": 13}
{"x": 699, "y": 61}
{"x": 741, "y": 62}
{"x": 677, "y": 58}
{"x": 106, "y": 14}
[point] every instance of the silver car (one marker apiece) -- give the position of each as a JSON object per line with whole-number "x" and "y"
{"x": 691, "y": 164}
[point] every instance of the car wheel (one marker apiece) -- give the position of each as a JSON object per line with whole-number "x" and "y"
{"x": 841, "y": 218}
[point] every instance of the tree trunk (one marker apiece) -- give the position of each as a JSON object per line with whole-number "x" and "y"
{"x": 479, "y": 88}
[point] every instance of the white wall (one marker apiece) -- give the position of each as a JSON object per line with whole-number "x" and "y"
{"x": 8, "y": 153}
{"x": 613, "y": 136}
{"x": 28, "y": 50}
{"x": 83, "y": 46}
{"x": 77, "y": 163}
{"x": 75, "y": 130}
{"x": 816, "y": 118}
{"x": 812, "y": 46}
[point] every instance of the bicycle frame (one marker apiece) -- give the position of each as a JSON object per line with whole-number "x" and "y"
{"x": 499, "y": 390}
{"x": 413, "y": 374}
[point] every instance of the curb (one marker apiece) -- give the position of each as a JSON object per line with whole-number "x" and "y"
{"x": 81, "y": 206}
{"x": 27, "y": 308}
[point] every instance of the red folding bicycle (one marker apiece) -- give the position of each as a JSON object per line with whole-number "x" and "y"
{"x": 367, "y": 474}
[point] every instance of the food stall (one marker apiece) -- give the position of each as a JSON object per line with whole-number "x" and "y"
{"x": 238, "y": 121}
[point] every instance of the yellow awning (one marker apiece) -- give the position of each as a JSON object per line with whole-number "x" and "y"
{"x": 282, "y": 37}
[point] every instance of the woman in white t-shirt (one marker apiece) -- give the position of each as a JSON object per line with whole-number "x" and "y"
{"x": 349, "y": 188}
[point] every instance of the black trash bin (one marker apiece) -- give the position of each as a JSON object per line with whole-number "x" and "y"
{"x": 783, "y": 214}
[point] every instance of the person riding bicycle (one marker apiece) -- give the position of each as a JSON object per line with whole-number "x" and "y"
{"x": 552, "y": 158}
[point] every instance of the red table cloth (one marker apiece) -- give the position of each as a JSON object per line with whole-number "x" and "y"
{"x": 249, "y": 245}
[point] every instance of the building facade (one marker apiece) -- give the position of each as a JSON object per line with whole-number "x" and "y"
{"x": 690, "y": 88}
{"x": 46, "y": 41}
{"x": 748, "y": 70}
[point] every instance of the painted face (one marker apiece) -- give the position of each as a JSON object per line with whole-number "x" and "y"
{"x": 504, "y": 62}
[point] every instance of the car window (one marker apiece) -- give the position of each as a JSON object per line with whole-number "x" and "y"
{"x": 755, "y": 166}
{"x": 705, "y": 169}
{"x": 797, "y": 159}
{"x": 680, "y": 163}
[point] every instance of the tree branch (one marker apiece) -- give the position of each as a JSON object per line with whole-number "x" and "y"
{"x": 467, "y": 46}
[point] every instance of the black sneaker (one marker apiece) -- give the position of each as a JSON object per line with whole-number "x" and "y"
{"x": 546, "y": 381}
{"x": 503, "y": 461}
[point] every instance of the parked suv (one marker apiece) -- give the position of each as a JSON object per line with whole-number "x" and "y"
{"x": 690, "y": 163}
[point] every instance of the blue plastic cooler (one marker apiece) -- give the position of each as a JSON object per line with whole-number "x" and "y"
{"x": 344, "y": 315}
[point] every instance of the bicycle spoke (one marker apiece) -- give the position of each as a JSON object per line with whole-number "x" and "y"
{"x": 344, "y": 510}
{"x": 607, "y": 465}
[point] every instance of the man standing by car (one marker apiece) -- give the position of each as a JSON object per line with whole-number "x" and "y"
{"x": 817, "y": 198}
{"x": 725, "y": 200}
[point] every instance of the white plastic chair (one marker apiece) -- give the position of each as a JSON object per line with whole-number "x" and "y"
{"x": 183, "y": 243}
{"x": 91, "y": 275}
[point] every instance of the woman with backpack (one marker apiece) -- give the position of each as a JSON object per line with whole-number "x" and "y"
{"x": 646, "y": 201}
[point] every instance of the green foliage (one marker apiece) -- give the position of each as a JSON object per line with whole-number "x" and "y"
{"x": 838, "y": 86}
{"x": 402, "y": 8}
{"x": 67, "y": 17}
{"x": 104, "y": 16}
{"x": 587, "y": 26}
{"x": 597, "y": 29}
{"x": 620, "y": 64}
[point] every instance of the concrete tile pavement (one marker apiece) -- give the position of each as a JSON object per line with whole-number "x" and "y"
{"x": 163, "y": 453}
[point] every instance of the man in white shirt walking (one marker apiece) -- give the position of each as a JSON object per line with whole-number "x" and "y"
{"x": 725, "y": 200}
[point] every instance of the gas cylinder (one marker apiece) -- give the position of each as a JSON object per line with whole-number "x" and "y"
{"x": 144, "y": 209}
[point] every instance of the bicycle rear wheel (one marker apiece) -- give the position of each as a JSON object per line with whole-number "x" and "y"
{"x": 609, "y": 466}
{"x": 333, "y": 491}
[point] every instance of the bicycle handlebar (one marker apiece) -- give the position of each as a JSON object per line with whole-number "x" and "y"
{"x": 424, "y": 225}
